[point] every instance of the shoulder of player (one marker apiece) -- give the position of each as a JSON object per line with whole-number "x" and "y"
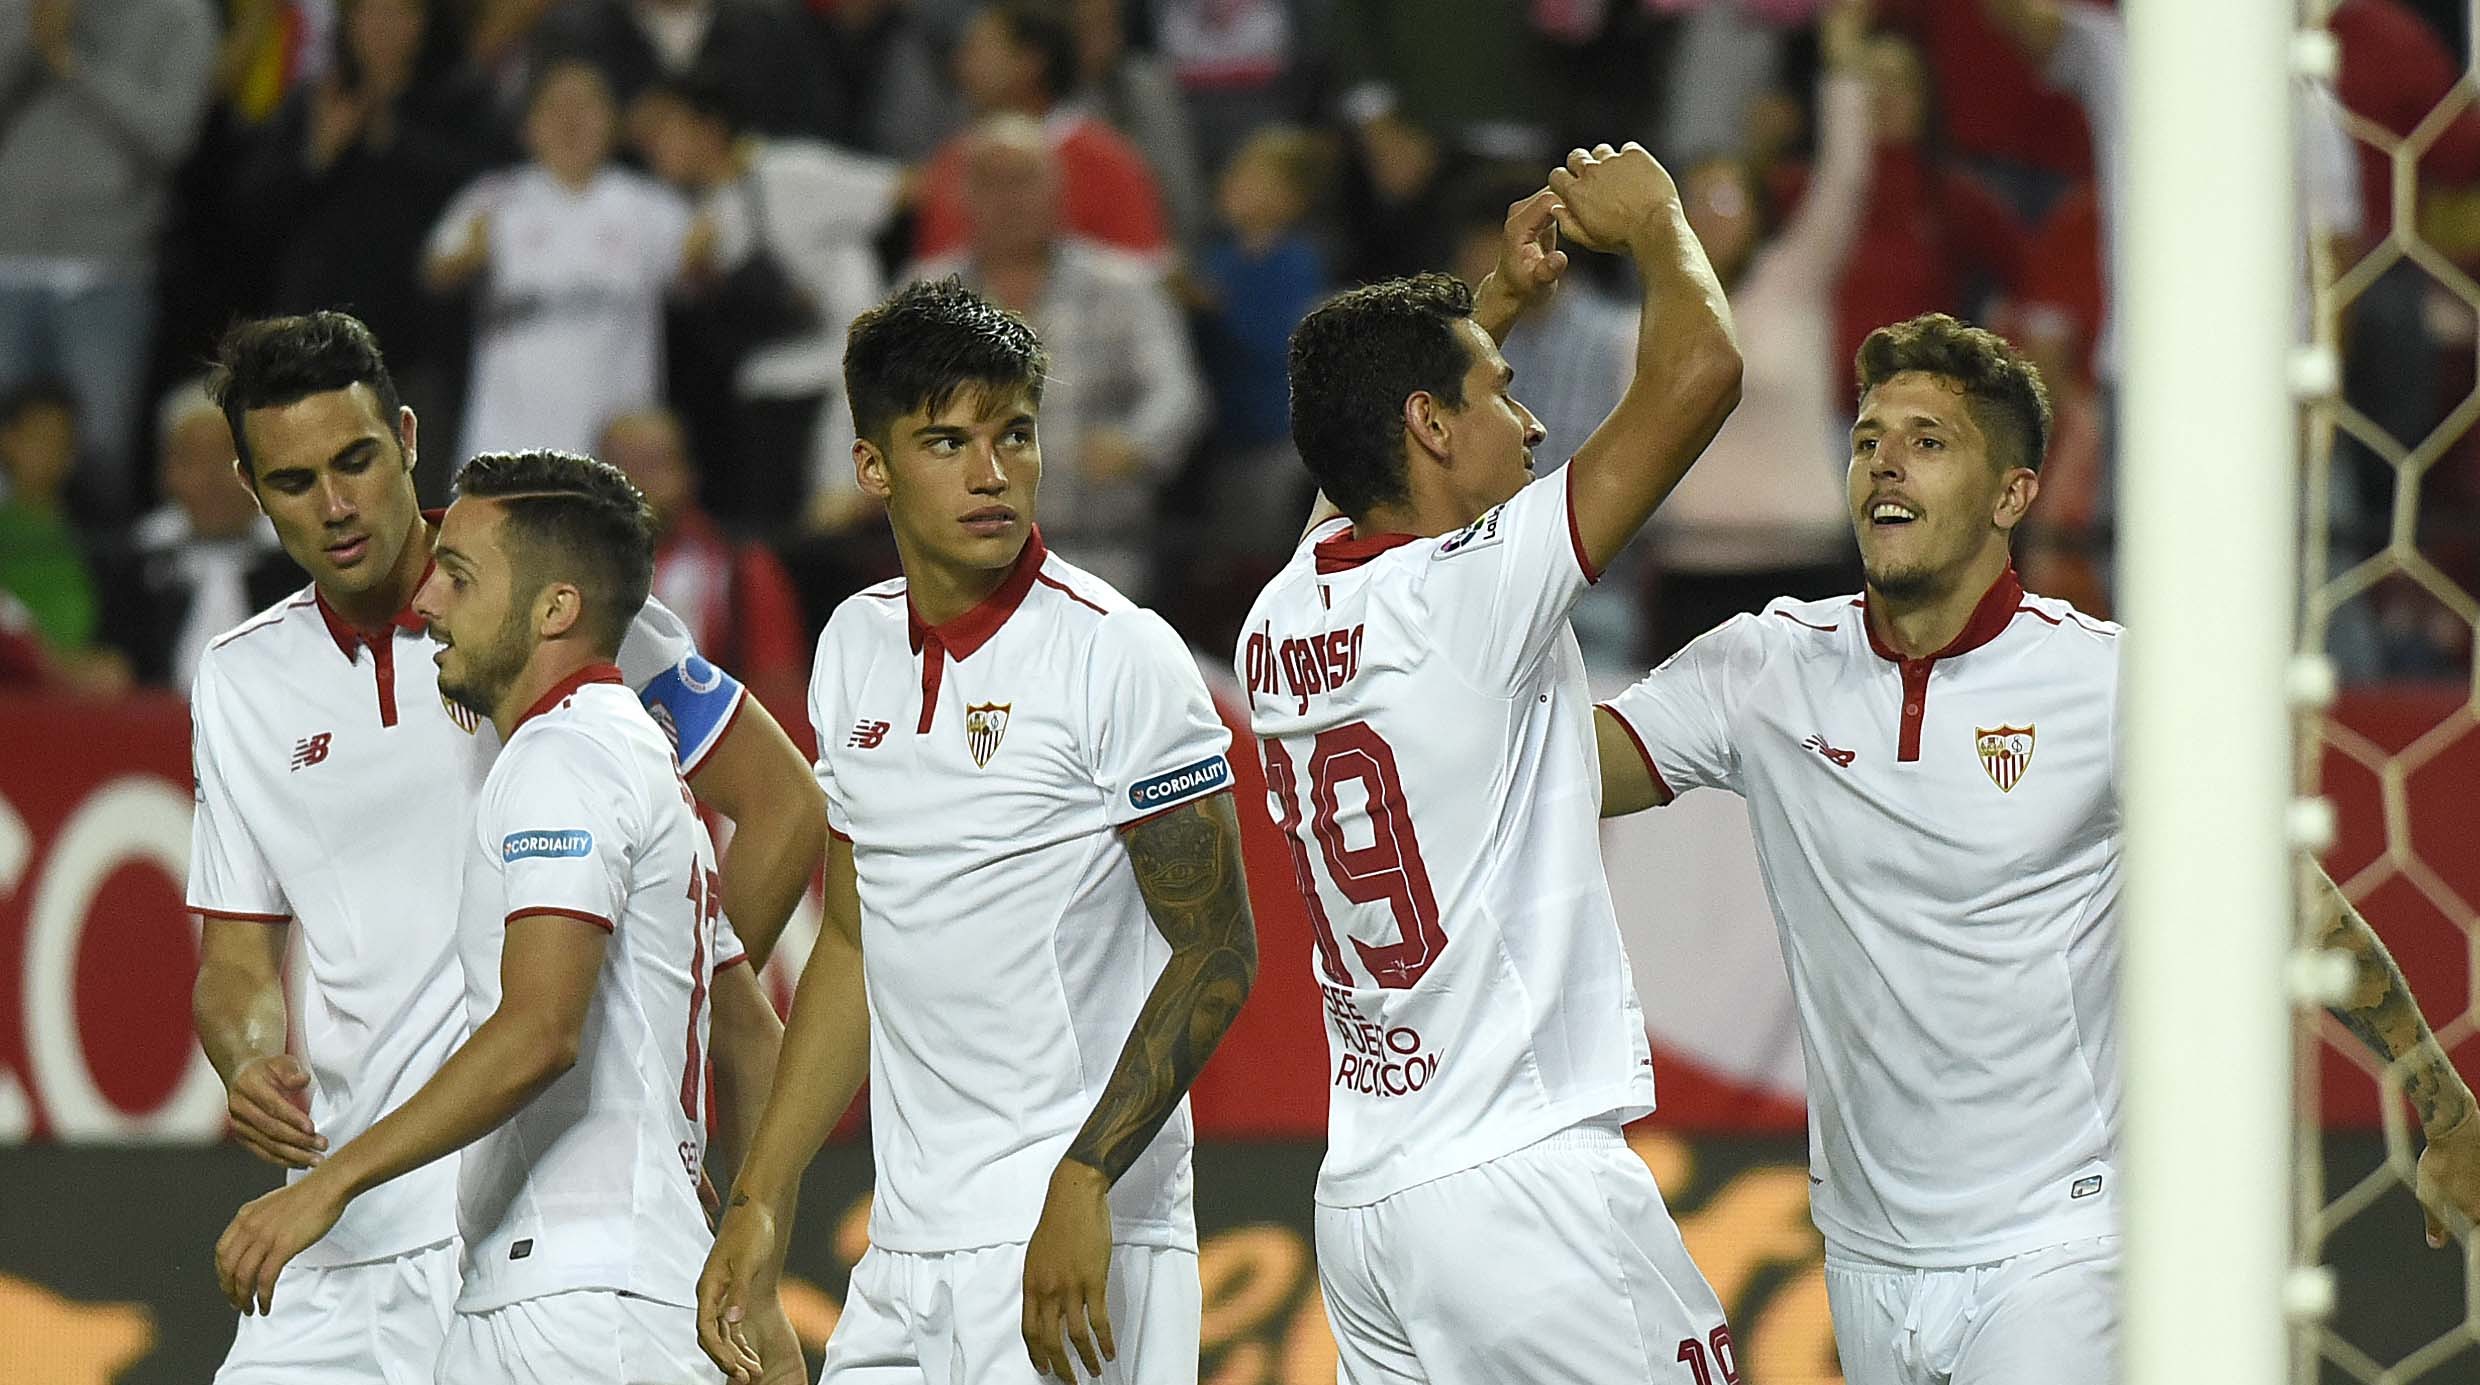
{"x": 264, "y": 635}
{"x": 1791, "y": 621}
{"x": 865, "y": 612}
{"x": 2059, "y": 615}
{"x": 589, "y": 729}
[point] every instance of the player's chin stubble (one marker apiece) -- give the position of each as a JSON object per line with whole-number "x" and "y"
{"x": 489, "y": 667}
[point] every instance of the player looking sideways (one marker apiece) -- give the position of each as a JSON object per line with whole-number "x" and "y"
{"x": 1420, "y": 703}
{"x": 589, "y": 913}
{"x": 1931, "y": 774}
{"x": 334, "y": 789}
{"x": 1037, "y": 922}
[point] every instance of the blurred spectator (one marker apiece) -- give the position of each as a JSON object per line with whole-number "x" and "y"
{"x": 2026, "y": 138}
{"x": 1397, "y": 203}
{"x": 770, "y": 71}
{"x": 1134, "y": 91}
{"x": 99, "y": 102}
{"x": 573, "y": 257}
{"x": 1573, "y": 358}
{"x": 737, "y": 601}
{"x": 1246, "y": 497}
{"x": 42, "y": 559}
{"x": 339, "y": 191}
{"x": 22, "y": 665}
{"x": 1019, "y": 57}
{"x": 202, "y": 562}
{"x": 1237, "y": 63}
{"x": 1723, "y": 61}
{"x": 812, "y": 210}
{"x": 1472, "y": 72}
{"x": 1934, "y": 238}
{"x": 884, "y": 89}
{"x": 1762, "y": 514}
{"x": 1123, "y": 401}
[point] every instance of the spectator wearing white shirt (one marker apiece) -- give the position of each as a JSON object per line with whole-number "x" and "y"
{"x": 1124, "y": 400}
{"x": 570, "y": 258}
{"x": 813, "y": 210}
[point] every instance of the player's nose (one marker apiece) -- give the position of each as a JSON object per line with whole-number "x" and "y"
{"x": 986, "y": 474}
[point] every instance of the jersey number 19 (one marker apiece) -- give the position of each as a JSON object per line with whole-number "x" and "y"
{"x": 1389, "y": 869}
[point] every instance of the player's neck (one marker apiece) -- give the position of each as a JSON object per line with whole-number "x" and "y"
{"x": 1423, "y": 516}
{"x": 368, "y": 610}
{"x": 940, "y": 592}
{"x": 1919, "y": 624}
{"x": 551, "y": 662}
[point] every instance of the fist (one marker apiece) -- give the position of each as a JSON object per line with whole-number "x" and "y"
{"x": 1608, "y": 196}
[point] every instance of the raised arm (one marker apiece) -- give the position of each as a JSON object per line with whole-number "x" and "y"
{"x": 2382, "y": 1012}
{"x": 825, "y": 1057}
{"x": 1687, "y": 358}
{"x": 757, "y": 778}
{"x": 548, "y": 967}
{"x": 1189, "y": 869}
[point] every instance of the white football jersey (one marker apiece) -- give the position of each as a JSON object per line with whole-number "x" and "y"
{"x": 1940, "y": 841}
{"x": 982, "y": 770}
{"x": 336, "y": 786}
{"x": 593, "y": 1184}
{"x": 1428, "y": 741}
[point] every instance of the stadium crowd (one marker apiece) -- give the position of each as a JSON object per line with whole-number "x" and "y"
{"x": 638, "y": 228}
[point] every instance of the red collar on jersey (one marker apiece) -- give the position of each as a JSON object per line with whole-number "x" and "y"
{"x": 591, "y": 673}
{"x": 1989, "y": 620}
{"x": 970, "y": 631}
{"x": 1349, "y": 549}
{"x": 343, "y": 631}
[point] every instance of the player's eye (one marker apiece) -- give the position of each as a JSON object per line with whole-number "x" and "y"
{"x": 1019, "y": 437}
{"x": 1864, "y": 445}
{"x": 942, "y": 447}
{"x": 1931, "y": 443}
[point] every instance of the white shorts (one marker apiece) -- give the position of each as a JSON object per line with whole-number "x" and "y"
{"x": 957, "y": 1318}
{"x": 2046, "y": 1317}
{"x": 380, "y": 1322}
{"x": 1557, "y": 1262}
{"x": 583, "y": 1335}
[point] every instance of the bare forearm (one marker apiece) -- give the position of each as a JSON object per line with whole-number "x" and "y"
{"x": 2381, "y": 1011}
{"x": 824, "y": 1059}
{"x": 765, "y": 875}
{"x": 1685, "y": 333}
{"x": 1496, "y": 308}
{"x": 748, "y": 1038}
{"x": 239, "y": 1017}
{"x": 1189, "y": 867}
{"x": 489, "y": 1078}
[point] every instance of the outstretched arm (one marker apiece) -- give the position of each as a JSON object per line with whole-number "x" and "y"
{"x": 1189, "y": 869}
{"x": 757, "y": 778}
{"x": 2382, "y": 1012}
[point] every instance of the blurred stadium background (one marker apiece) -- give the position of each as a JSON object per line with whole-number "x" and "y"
{"x": 1199, "y": 172}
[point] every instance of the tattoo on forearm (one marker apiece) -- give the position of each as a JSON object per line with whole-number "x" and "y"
{"x": 1189, "y": 868}
{"x": 2382, "y": 1013}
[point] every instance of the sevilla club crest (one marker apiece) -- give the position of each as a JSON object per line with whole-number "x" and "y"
{"x": 2005, "y": 753}
{"x": 984, "y": 726}
{"x": 466, "y": 720}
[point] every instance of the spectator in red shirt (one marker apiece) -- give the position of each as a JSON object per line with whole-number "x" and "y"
{"x": 1019, "y": 56}
{"x": 737, "y": 601}
{"x": 1995, "y": 109}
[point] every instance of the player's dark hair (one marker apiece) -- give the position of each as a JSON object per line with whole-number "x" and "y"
{"x": 573, "y": 519}
{"x": 2002, "y": 389}
{"x": 269, "y": 362}
{"x": 702, "y": 93}
{"x": 1354, "y": 361}
{"x": 915, "y": 351}
{"x": 1044, "y": 27}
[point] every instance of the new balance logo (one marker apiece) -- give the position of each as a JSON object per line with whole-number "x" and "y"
{"x": 866, "y": 735}
{"x": 310, "y": 750}
{"x": 1842, "y": 758}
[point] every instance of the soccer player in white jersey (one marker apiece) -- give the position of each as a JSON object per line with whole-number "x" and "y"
{"x": 335, "y": 788}
{"x": 1420, "y": 704}
{"x": 591, "y": 909}
{"x": 1931, "y": 773}
{"x": 1036, "y": 886}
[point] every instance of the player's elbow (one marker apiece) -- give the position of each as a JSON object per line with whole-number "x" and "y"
{"x": 1713, "y": 377}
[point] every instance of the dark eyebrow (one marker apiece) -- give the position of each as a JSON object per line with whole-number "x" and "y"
{"x": 451, "y": 558}
{"x": 352, "y": 451}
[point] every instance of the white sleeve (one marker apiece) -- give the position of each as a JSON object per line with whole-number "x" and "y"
{"x": 564, "y": 820}
{"x": 729, "y": 949}
{"x": 1499, "y": 590}
{"x": 229, "y": 877}
{"x": 1154, "y": 739}
{"x": 1679, "y": 715}
{"x": 827, "y": 722}
{"x": 475, "y": 198}
{"x": 692, "y": 700}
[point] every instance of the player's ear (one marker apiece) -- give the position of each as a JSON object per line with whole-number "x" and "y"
{"x": 249, "y": 482}
{"x": 1425, "y": 423}
{"x": 406, "y": 427}
{"x": 870, "y": 468}
{"x": 2016, "y": 492}
{"x": 557, "y": 610}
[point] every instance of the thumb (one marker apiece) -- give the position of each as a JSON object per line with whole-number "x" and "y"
{"x": 2436, "y": 1228}
{"x": 289, "y": 1072}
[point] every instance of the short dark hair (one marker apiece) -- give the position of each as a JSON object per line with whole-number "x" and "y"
{"x": 926, "y": 342}
{"x": 269, "y": 362}
{"x": 1044, "y": 27}
{"x": 2002, "y": 389}
{"x": 701, "y": 92}
{"x": 36, "y": 392}
{"x": 1353, "y": 363}
{"x": 577, "y": 520}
